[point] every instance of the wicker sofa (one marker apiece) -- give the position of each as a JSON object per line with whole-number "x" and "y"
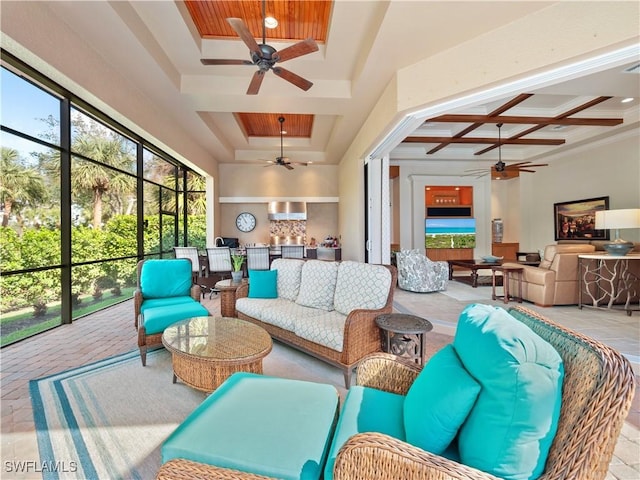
{"x": 326, "y": 309}
{"x": 596, "y": 394}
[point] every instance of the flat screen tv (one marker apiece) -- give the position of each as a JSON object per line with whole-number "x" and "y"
{"x": 450, "y": 233}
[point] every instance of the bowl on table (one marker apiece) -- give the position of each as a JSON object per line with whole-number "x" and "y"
{"x": 491, "y": 259}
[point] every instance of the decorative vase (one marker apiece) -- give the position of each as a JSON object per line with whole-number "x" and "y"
{"x": 236, "y": 277}
{"x": 497, "y": 229}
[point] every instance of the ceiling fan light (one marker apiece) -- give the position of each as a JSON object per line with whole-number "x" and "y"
{"x": 270, "y": 22}
{"x": 626, "y": 100}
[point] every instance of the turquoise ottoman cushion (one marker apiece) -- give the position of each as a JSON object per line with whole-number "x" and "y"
{"x": 158, "y": 318}
{"x": 270, "y": 426}
{"x": 166, "y": 278}
{"x": 163, "y": 302}
{"x": 439, "y": 401}
{"x": 510, "y": 429}
{"x": 366, "y": 410}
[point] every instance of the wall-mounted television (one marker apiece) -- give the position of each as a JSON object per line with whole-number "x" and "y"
{"x": 450, "y": 232}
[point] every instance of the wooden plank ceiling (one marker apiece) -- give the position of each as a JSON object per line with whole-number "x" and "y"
{"x": 267, "y": 124}
{"x": 297, "y": 20}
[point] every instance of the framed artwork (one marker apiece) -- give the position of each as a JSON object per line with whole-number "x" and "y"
{"x": 576, "y": 220}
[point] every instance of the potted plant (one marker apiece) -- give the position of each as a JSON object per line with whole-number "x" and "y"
{"x": 236, "y": 261}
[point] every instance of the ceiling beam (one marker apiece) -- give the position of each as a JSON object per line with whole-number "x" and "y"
{"x": 543, "y": 121}
{"x": 501, "y": 109}
{"x": 486, "y": 140}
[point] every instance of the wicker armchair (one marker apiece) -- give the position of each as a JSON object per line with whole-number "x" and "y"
{"x": 597, "y": 392}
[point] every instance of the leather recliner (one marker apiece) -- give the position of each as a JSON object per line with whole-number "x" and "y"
{"x": 555, "y": 280}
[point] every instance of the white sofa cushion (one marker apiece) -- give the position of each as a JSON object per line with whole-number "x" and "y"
{"x": 318, "y": 284}
{"x": 361, "y": 285}
{"x": 289, "y": 273}
{"x": 325, "y": 329}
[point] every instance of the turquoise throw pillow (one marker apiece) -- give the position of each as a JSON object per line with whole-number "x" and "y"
{"x": 263, "y": 284}
{"x": 438, "y": 402}
{"x": 510, "y": 429}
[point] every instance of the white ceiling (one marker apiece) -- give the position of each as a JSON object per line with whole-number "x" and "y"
{"x": 154, "y": 44}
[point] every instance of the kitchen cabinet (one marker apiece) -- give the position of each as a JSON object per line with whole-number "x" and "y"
{"x": 325, "y": 253}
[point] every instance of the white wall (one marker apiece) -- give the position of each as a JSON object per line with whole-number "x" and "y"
{"x": 611, "y": 168}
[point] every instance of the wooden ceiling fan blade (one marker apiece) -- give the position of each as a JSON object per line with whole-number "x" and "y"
{"x": 256, "y": 81}
{"x": 301, "y": 164}
{"x": 243, "y": 32}
{"x": 291, "y": 77}
{"x": 525, "y": 170}
{"x": 516, "y": 164}
{"x": 297, "y": 50}
{"x": 287, "y": 166}
{"x": 537, "y": 165}
{"x": 220, "y": 61}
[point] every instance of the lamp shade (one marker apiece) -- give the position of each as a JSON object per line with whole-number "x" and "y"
{"x": 624, "y": 218}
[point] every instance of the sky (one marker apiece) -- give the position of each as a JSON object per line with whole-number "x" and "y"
{"x": 22, "y": 105}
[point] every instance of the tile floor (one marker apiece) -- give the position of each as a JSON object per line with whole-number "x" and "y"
{"x": 111, "y": 332}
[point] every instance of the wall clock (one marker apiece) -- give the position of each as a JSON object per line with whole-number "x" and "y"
{"x": 245, "y": 222}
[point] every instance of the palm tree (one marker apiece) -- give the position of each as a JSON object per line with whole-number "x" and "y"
{"x": 97, "y": 178}
{"x": 19, "y": 185}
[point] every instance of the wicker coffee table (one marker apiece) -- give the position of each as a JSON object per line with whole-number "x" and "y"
{"x": 206, "y": 350}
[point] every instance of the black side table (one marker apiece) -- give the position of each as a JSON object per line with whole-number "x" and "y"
{"x": 404, "y": 335}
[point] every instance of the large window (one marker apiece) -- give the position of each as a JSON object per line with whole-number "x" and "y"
{"x": 73, "y": 227}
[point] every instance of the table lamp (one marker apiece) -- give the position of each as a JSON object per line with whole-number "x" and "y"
{"x": 617, "y": 219}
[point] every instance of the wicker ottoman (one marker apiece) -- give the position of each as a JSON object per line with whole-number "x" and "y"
{"x": 261, "y": 425}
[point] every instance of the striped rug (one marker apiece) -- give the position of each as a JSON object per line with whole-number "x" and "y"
{"x": 107, "y": 420}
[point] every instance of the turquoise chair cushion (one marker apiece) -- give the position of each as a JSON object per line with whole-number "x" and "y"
{"x": 263, "y": 284}
{"x": 158, "y": 318}
{"x": 163, "y": 302}
{"x": 366, "y": 410}
{"x": 165, "y": 278}
{"x": 439, "y": 401}
{"x": 510, "y": 429}
{"x": 270, "y": 426}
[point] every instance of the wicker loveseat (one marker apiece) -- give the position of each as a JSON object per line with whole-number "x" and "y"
{"x": 597, "y": 390}
{"x": 326, "y": 309}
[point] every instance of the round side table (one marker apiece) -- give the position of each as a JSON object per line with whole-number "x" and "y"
{"x": 228, "y": 296}
{"x": 404, "y": 335}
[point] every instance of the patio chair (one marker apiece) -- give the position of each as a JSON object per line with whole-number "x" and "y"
{"x": 219, "y": 263}
{"x": 165, "y": 294}
{"x": 418, "y": 273}
{"x": 292, "y": 251}
{"x": 257, "y": 258}
{"x": 192, "y": 254}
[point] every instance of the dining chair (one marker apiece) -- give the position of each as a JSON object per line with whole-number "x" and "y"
{"x": 192, "y": 254}
{"x": 219, "y": 263}
{"x": 257, "y": 258}
{"x": 292, "y": 251}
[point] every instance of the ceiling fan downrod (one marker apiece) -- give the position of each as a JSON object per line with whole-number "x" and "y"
{"x": 500, "y": 165}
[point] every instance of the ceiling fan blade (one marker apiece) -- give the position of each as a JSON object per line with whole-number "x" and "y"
{"x": 291, "y": 77}
{"x": 243, "y": 32}
{"x": 218, "y": 61}
{"x": 299, "y": 163}
{"x": 297, "y": 50}
{"x": 516, "y": 164}
{"x": 525, "y": 170}
{"x": 287, "y": 166}
{"x": 256, "y": 81}
{"x": 536, "y": 165}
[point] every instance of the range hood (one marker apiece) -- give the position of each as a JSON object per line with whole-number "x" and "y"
{"x": 287, "y": 210}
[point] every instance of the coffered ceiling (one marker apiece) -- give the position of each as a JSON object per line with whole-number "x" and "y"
{"x": 361, "y": 46}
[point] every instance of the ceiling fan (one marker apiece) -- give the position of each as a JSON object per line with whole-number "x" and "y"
{"x": 501, "y": 169}
{"x": 282, "y": 160}
{"x": 265, "y": 56}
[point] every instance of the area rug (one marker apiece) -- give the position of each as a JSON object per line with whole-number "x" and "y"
{"x": 107, "y": 420}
